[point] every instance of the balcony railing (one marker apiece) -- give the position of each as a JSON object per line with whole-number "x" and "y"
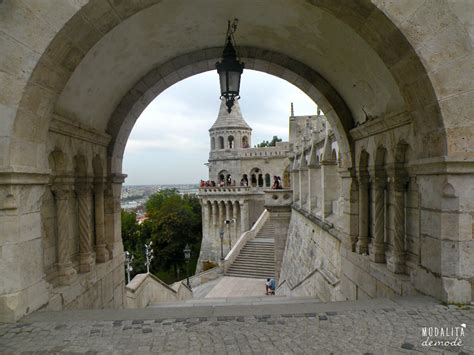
{"x": 225, "y": 189}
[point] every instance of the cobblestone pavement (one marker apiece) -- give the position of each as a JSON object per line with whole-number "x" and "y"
{"x": 377, "y": 331}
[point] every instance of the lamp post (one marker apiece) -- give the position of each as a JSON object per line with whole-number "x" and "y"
{"x": 187, "y": 257}
{"x": 230, "y": 69}
{"x": 128, "y": 264}
{"x": 221, "y": 236}
{"x": 149, "y": 256}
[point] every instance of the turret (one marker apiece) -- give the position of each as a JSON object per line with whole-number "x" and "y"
{"x": 230, "y": 131}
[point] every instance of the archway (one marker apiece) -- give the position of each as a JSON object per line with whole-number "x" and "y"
{"x": 370, "y": 80}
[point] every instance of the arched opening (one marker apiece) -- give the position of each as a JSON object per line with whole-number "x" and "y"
{"x": 221, "y": 142}
{"x": 230, "y": 142}
{"x": 244, "y": 181}
{"x": 213, "y": 143}
{"x": 268, "y": 180}
{"x": 391, "y": 89}
{"x": 245, "y": 142}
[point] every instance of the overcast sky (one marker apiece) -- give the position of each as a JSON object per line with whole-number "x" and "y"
{"x": 170, "y": 141}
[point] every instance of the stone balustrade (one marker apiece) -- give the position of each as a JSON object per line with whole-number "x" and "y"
{"x": 225, "y": 189}
{"x": 278, "y": 198}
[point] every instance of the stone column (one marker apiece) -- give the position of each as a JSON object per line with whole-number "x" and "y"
{"x": 237, "y": 220}
{"x": 363, "y": 239}
{"x": 227, "y": 210}
{"x": 396, "y": 263}
{"x": 113, "y": 219}
{"x": 378, "y": 248}
{"x": 244, "y": 216}
{"x": 221, "y": 208}
{"x": 102, "y": 255}
{"x": 214, "y": 230}
{"x": 66, "y": 273}
{"x": 83, "y": 191}
{"x": 205, "y": 218}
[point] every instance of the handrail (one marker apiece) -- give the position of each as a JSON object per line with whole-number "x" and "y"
{"x": 244, "y": 238}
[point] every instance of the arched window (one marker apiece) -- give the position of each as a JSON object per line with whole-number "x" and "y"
{"x": 245, "y": 142}
{"x": 253, "y": 180}
{"x": 244, "y": 181}
{"x": 267, "y": 180}
{"x": 230, "y": 141}
{"x": 221, "y": 142}
{"x": 213, "y": 143}
{"x": 260, "y": 180}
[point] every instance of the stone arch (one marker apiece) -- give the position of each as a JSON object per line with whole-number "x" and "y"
{"x": 230, "y": 142}
{"x": 268, "y": 180}
{"x": 40, "y": 69}
{"x": 57, "y": 162}
{"x": 80, "y": 166}
{"x": 220, "y": 142}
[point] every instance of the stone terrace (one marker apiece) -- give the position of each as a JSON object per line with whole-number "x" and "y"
{"x": 226, "y": 326}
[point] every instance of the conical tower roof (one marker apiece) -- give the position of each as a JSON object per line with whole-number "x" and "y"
{"x": 230, "y": 120}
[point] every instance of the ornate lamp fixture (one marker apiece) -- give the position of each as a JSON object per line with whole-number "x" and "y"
{"x": 230, "y": 69}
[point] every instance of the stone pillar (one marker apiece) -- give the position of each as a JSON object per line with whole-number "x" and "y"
{"x": 396, "y": 263}
{"x": 214, "y": 231}
{"x": 113, "y": 220}
{"x": 227, "y": 210}
{"x": 329, "y": 186}
{"x": 237, "y": 223}
{"x": 205, "y": 218}
{"x": 363, "y": 239}
{"x": 102, "y": 255}
{"x": 377, "y": 253}
{"x": 83, "y": 190}
{"x": 66, "y": 273}
{"x": 221, "y": 208}
{"x": 244, "y": 216}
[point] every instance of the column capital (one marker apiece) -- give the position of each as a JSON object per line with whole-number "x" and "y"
{"x": 61, "y": 190}
{"x": 83, "y": 187}
{"x": 399, "y": 181}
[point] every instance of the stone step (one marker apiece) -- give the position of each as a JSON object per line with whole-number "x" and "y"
{"x": 259, "y": 250}
{"x": 254, "y": 272}
{"x": 251, "y": 258}
{"x": 257, "y": 256}
{"x": 249, "y": 265}
{"x": 256, "y": 251}
{"x": 254, "y": 247}
{"x": 251, "y": 276}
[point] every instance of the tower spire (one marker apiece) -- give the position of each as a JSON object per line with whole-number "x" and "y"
{"x": 292, "y": 110}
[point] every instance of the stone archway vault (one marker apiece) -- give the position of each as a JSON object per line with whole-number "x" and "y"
{"x": 77, "y": 75}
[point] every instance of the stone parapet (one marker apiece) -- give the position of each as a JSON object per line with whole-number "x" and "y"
{"x": 225, "y": 190}
{"x": 146, "y": 289}
{"x": 278, "y": 199}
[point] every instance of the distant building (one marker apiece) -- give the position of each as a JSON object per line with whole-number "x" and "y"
{"x": 242, "y": 173}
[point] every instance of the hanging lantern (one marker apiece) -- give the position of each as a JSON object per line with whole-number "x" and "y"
{"x": 230, "y": 69}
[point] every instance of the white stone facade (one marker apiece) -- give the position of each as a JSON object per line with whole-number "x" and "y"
{"x": 394, "y": 79}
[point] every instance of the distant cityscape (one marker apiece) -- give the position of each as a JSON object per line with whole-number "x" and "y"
{"x": 134, "y": 197}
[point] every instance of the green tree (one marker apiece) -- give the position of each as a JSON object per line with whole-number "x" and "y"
{"x": 271, "y": 143}
{"x": 173, "y": 221}
{"x": 133, "y": 241}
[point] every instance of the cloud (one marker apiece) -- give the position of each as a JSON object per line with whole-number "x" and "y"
{"x": 170, "y": 140}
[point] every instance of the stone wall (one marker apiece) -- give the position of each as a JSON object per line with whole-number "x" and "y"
{"x": 312, "y": 260}
{"x": 147, "y": 289}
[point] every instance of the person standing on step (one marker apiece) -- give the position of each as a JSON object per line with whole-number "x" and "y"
{"x": 270, "y": 286}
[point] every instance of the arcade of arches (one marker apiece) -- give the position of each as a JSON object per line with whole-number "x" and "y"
{"x": 394, "y": 79}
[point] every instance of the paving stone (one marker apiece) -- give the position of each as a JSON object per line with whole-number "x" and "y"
{"x": 356, "y": 331}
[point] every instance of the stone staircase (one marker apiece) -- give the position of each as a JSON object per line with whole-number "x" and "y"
{"x": 257, "y": 257}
